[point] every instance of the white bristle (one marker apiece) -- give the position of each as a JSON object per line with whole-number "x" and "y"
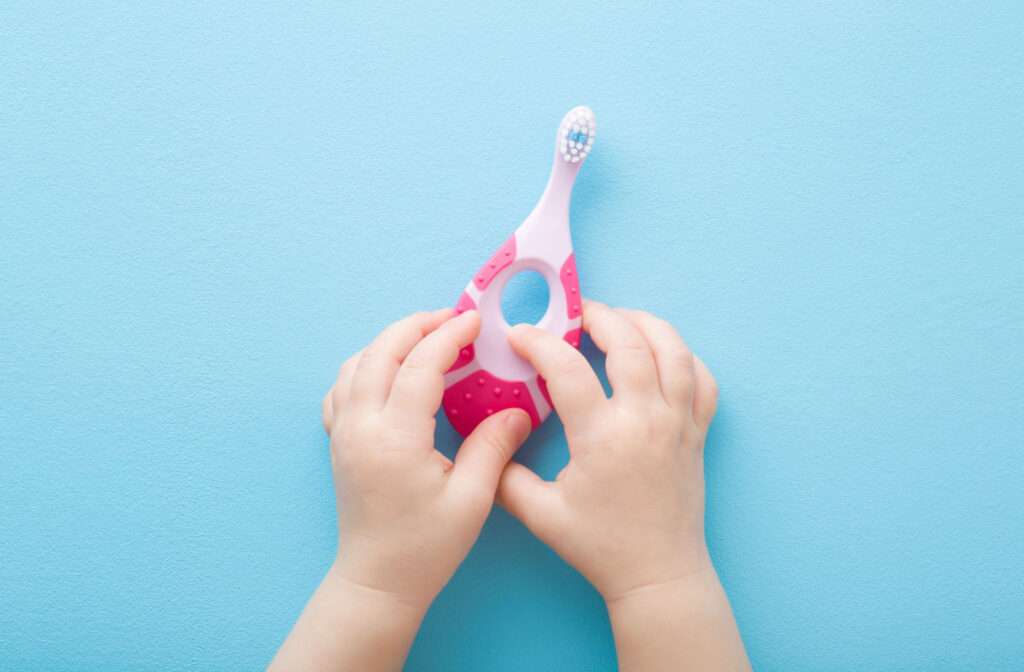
{"x": 576, "y": 135}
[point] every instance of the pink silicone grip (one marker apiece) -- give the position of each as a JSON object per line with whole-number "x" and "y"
{"x": 466, "y": 355}
{"x": 571, "y": 286}
{"x": 499, "y": 260}
{"x": 479, "y": 395}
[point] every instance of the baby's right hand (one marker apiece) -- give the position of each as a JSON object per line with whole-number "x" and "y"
{"x": 628, "y": 509}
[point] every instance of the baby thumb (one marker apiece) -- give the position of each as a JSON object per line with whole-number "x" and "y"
{"x": 487, "y": 450}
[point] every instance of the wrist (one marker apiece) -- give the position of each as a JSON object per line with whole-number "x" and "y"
{"x": 684, "y": 571}
{"x": 672, "y": 587}
{"x": 350, "y": 626}
{"x": 684, "y": 622}
{"x": 376, "y": 599}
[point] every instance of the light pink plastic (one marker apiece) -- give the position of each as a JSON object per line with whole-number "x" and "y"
{"x": 489, "y": 376}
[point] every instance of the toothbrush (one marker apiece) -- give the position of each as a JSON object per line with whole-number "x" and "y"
{"x": 489, "y": 376}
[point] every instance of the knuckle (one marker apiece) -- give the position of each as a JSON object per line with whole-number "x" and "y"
{"x": 333, "y": 402}
{"x": 663, "y": 323}
{"x": 634, "y": 347}
{"x": 682, "y": 359}
{"x": 645, "y": 316}
{"x": 706, "y": 383}
{"x": 712, "y": 387}
{"x": 416, "y": 363}
{"x": 358, "y": 440}
{"x": 568, "y": 367}
{"x": 420, "y": 322}
{"x": 348, "y": 365}
{"x": 336, "y": 398}
{"x": 372, "y": 352}
{"x": 630, "y": 339}
{"x": 422, "y": 315}
{"x": 495, "y": 444}
{"x": 327, "y": 413}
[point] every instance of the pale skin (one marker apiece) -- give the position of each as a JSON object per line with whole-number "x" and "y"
{"x": 627, "y": 511}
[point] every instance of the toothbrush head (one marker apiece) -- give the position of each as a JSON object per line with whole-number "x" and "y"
{"x": 576, "y": 135}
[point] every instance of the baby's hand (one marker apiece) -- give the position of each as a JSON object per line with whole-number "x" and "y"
{"x": 628, "y": 509}
{"x": 407, "y": 516}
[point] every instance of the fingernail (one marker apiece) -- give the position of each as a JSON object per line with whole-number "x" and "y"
{"x": 518, "y": 423}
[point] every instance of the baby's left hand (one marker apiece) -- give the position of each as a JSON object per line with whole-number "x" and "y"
{"x": 407, "y": 516}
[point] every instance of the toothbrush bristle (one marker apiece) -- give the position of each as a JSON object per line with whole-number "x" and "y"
{"x": 576, "y": 135}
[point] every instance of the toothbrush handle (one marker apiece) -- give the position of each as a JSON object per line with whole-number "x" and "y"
{"x": 488, "y": 375}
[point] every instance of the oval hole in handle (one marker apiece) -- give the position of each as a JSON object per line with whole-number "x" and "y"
{"x": 525, "y": 298}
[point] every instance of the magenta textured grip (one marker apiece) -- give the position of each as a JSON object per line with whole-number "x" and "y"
{"x": 488, "y": 375}
{"x": 571, "y": 286}
{"x": 466, "y": 355}
{"x": 505, "y": 255}
{"x": 469, "y": 401}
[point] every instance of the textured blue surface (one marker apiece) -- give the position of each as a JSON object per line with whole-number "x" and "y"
{"x": 206, "y": 208}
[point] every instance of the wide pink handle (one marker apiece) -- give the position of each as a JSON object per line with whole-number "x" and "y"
{"x": 489, "y": 376}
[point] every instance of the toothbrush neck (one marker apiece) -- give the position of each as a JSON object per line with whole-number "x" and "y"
{"x": 559, "y": 188}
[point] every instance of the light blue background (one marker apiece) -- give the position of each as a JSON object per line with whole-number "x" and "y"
{"x": 206, "y": 208}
